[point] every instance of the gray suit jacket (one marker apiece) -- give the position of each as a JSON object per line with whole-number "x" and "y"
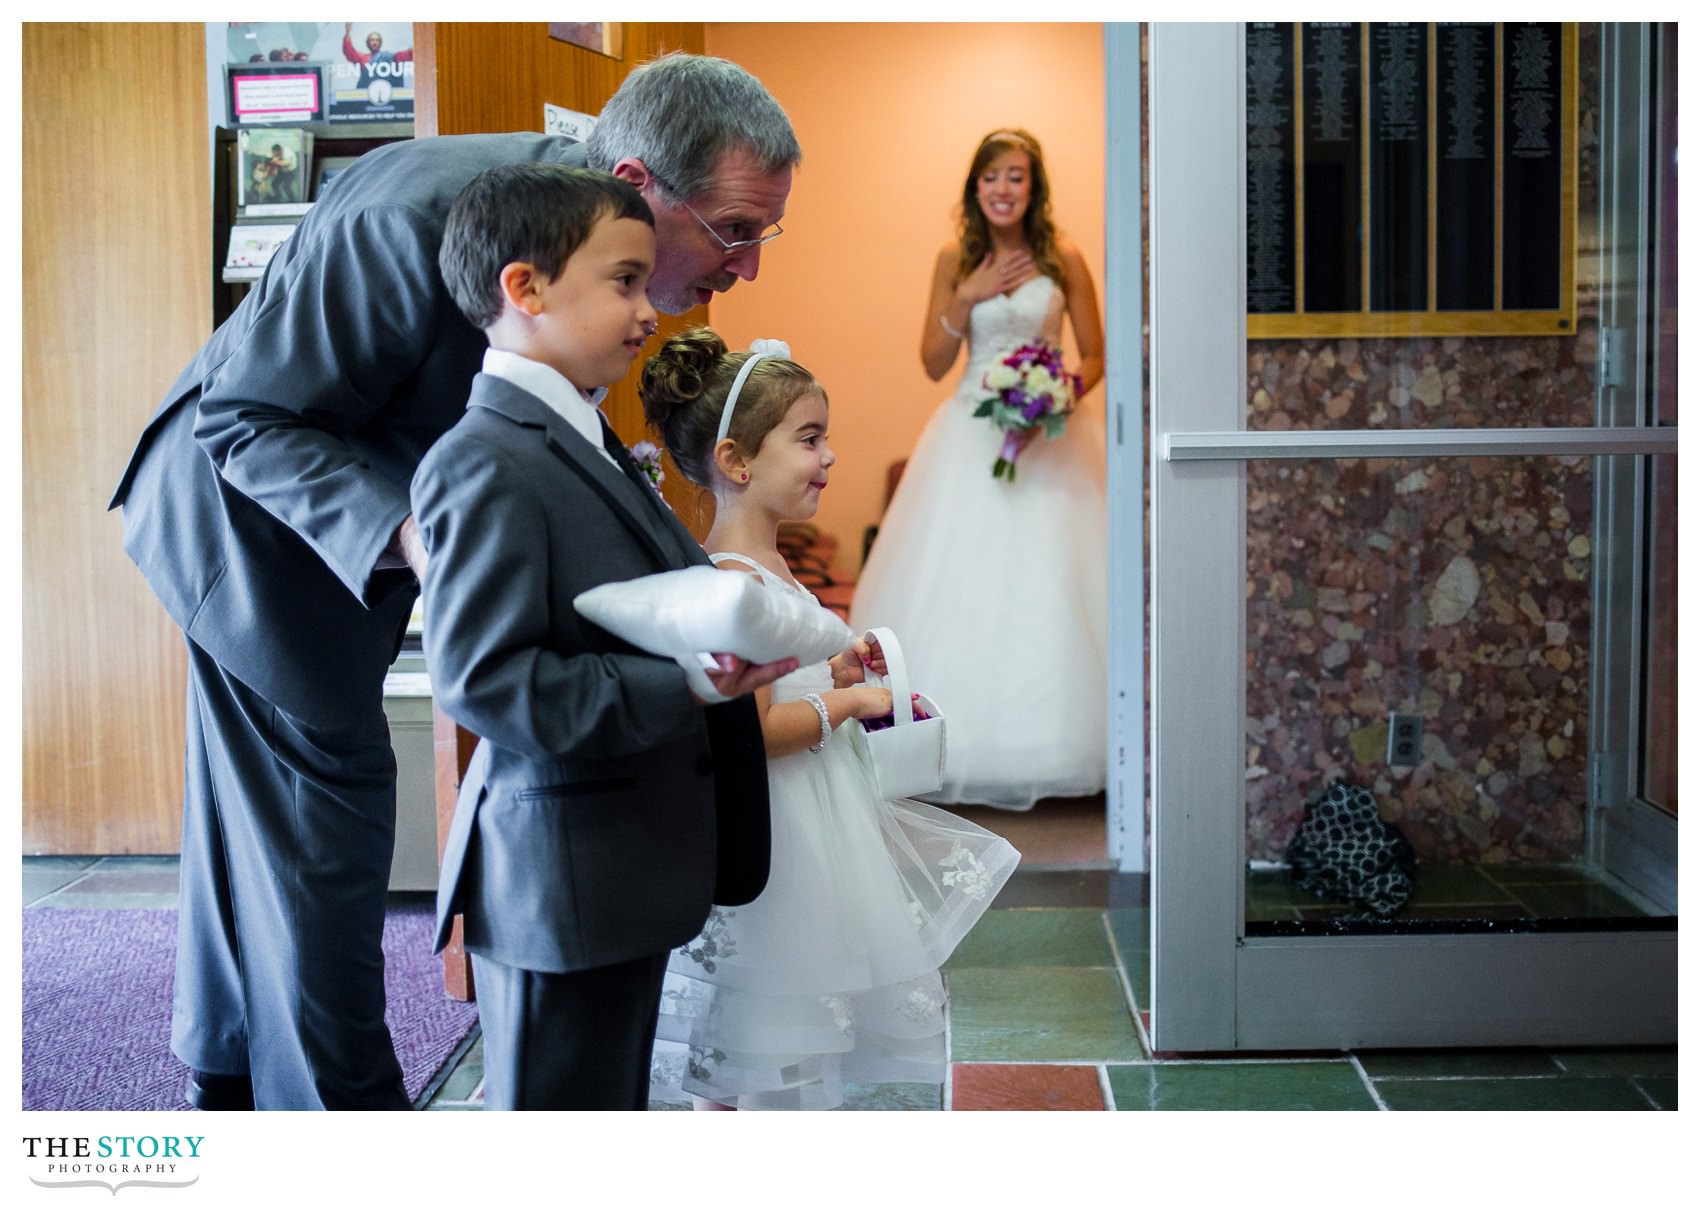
{"x": 273, "y": 474}
{"x": 604, "y": 809}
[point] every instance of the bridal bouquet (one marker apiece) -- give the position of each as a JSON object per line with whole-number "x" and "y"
{"x": 1030, "y": 389}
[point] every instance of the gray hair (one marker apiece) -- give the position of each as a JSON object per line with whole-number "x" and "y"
{"x": 680, "y": 113}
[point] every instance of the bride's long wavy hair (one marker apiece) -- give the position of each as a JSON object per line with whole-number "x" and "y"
{"x": 974, "y": 237}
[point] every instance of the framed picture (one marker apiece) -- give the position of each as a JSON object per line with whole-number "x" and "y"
{"x": 273, "y": 92}
{"x": 329, "y": 167}
{"x": 252, "y": 246}
{"x": 371, "y": 78}
{"x": 272, "y": 166}
{"x": 603, "y": 37}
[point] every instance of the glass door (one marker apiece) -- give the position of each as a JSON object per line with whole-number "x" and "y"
{"x": 1412, "y": 480}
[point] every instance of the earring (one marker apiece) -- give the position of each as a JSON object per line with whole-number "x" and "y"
{"x": 743, "y": 477}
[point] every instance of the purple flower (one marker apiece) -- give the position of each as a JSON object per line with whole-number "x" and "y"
{"x": 889, "y": 720}
{"x": 1030, "y": 387}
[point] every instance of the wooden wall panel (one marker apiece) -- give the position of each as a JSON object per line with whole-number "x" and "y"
{"x": 489, "y": 77}
{"x": 116, "y": 217}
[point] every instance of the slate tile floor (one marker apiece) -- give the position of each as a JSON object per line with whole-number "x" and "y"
{"x": 1045, "y": 995}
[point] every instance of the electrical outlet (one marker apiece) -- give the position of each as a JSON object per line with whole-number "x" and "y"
{"x": 1404, "y": 738}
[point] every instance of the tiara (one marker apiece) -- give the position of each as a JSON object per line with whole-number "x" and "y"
{"x": 1008, "y": 136}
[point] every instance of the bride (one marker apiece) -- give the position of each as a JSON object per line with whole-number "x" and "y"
{"x": 997, "y": 588}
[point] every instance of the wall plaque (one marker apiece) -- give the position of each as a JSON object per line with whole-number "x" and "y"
{"x": 1410, "y": 178}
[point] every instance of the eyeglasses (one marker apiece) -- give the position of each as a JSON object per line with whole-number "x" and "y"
{"x": 771, "y": 233}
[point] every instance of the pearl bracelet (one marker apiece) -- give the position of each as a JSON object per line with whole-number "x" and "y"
{"x": 814, "y": 700}
{"x": 945, "y": 324}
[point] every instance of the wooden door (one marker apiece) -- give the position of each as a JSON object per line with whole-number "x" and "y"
{"x": 117, "y": 251}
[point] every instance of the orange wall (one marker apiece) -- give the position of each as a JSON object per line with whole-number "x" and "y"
{"x": 889, "y": 116}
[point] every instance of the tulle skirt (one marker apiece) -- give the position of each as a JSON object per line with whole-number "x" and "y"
{"x": 998, "y": 593}
{"x": 831, "y": 975}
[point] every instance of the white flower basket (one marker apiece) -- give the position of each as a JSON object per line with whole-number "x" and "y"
{"x": 908, "y": 757}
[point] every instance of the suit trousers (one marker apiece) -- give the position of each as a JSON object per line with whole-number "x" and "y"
{"x": 568, "y": 1041}
{"x": 288, "y": 834}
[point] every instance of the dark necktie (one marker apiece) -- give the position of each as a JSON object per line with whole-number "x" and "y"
{"x": 623, "y": 457}
{"x": 683, "y": 542}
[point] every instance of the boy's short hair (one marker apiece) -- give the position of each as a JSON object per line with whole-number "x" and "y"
{"x": 532, "y": 212}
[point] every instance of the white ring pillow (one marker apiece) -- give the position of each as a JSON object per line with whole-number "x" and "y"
{"x": 690, "y": 611}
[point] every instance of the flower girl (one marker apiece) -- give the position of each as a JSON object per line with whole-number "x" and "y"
{"x": 832, "y": 974}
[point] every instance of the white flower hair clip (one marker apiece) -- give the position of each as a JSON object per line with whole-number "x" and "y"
{"x": 761, "y": 347}
{"x": 768, "y": 347}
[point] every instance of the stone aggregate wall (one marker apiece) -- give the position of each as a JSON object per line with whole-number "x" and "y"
{"x": 1459, "y": 588}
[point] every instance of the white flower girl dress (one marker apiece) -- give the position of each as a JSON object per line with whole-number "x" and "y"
{"x": 832, "y": 974}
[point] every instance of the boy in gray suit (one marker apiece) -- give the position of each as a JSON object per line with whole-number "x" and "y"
{"x": 610, "y": 801}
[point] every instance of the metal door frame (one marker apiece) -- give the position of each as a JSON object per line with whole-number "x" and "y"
{"x": 1213, "y": 988}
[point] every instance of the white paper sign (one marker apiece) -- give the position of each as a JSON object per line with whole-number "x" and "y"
{"x": 568, "y": 122}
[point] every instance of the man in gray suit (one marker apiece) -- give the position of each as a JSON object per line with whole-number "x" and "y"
{"x": 267, "y": 505}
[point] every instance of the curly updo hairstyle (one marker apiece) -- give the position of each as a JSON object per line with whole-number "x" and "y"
{"x": 684, "y": 391}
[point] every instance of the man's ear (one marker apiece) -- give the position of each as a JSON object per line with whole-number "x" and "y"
{"x": 634, "y": 172}
{"x": 522, "y": 287}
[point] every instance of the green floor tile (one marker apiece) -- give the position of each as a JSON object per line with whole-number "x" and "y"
{"x": 1576, "y": 900}
{"x": 1617, "y": 1062}
{"x": 1452, "y": 883}
{"x": 1132, "y": 930}
{"x": 1272, "y": 1086}
{"x": 45, "y": 881}
{"x": 1662, "y": 1090}
{"x": 1271, "y": 914}
{"x": 1139, "y": 979}
{"x": 893, "y": 1096}
{"x": 1458, "y": 911}
{"x": 1512, "y": 875}
{"x": 1269, "y": 891}
{"x": 1447, "y": 1062}
{"x": 1045, "y": 938}
{"x": 1073, "y": 888}
{"x": 464, "y": 1080}
{"x": 1040, "y": 1014}
{"x": 74, "y": 898}
{"x": 1514, "y": 1094}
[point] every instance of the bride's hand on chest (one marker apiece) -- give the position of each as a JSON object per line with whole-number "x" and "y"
{"x": 997, "y": 274}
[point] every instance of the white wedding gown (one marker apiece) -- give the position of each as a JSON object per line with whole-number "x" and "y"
{"x": 832, "y": 973}
{"x": 997, "y": 590}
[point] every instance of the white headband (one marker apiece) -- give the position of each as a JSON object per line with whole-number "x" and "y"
{"x": 759, "y": 349}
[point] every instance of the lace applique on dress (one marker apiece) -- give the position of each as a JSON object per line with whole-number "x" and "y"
{"x": 966, "y": 873}
{"x": 843, "y": 1016}
{"x": 715, "y": 941}
{"x": 702, "y": 1062}
{"x": 666, "y": 1069}
{"x": 920, "y": 1006}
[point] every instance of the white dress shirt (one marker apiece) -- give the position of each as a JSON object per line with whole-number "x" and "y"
{"x": 577, "y": 408}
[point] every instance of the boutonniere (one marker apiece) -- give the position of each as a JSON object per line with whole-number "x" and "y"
{"x": 647, "y": 455}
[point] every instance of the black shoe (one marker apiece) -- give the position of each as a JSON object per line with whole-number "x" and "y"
{"x": 220, "y": 1091}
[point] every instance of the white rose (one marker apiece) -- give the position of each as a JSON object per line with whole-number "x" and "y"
{"x": 1000, "y": 377}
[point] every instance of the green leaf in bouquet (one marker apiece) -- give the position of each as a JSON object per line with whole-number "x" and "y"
{"x": 1053, "y": 423}
{"x": 985, "y": 408}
